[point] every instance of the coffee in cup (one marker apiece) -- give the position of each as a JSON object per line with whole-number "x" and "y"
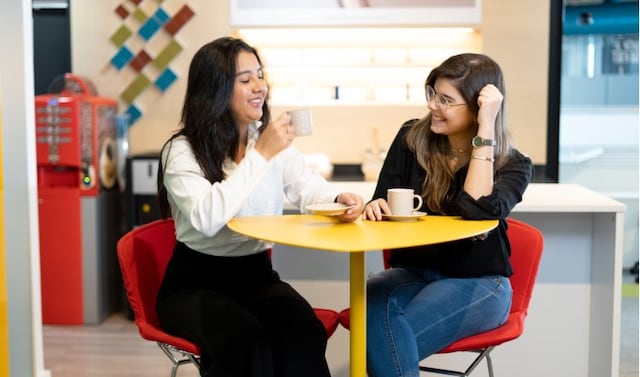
{"x": 301, "y": 121}
{"x": 401, "y": 201}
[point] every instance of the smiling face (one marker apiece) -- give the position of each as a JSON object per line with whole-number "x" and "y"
{"x": 454, "y": 121}
{"x": 249, "y": 90}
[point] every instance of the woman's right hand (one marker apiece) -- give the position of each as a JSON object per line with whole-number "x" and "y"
{"x": 374, "y": 210}
{"x": 277, "y": 136}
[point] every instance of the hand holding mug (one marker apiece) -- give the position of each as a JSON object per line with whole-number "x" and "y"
{"x": 276, "y": 136}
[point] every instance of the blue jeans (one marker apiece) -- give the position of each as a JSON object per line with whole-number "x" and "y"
{"x": 413, "y": 313}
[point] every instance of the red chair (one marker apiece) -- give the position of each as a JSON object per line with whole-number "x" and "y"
{"x": 144, "y": 253}
{"x": 526, "y": 252}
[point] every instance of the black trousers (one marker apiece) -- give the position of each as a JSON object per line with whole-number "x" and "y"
{"x": 246, "y": 321}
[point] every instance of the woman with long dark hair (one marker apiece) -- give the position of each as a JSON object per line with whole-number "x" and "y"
{"x": 231, "y": 159}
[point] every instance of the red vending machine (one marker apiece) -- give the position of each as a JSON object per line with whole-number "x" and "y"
{"x": 78, "y": 203}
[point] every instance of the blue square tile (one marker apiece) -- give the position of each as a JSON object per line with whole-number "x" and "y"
{"x": 150, "y": 27}
{"x": 162, "y": 16}
{"x": 122, "y": 57}
{"x": 164, "y": 81}
{"x": 153, "y": 24}
{"x": 134, "y": 114}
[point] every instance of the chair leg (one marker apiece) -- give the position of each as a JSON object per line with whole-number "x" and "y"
{"x": 490, "y": 365}
{"x": 481, "y": 355}
{"x": 187, "y": 357}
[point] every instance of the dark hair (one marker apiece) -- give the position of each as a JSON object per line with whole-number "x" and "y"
{"x": 206, "y": 113}
{"x": 469, "y": 73}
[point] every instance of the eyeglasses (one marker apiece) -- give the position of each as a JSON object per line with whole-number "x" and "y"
{"x": 442, "y": 103}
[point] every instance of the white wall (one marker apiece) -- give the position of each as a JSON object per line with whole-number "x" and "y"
{"x": 21, "y": 232}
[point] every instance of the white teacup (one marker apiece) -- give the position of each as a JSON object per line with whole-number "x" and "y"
{"x": 401, "y": 201}
{"x": 302, "y": 121}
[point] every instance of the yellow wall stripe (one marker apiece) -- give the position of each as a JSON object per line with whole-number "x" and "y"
{"x": 4, "y": 320}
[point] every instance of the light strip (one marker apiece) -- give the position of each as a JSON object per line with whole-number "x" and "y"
{"x": 348, "y": 36}
{"x": 591, "y": 53}
{"x": 49, "y": 4}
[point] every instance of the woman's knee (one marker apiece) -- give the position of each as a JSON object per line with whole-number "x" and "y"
{"x": 382, "y": 285}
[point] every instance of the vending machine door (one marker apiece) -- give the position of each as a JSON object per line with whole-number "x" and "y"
{"x": 60, "y": 255}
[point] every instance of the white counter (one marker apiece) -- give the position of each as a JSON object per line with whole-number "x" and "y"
{"x": 573, "y": 326}
{"x": 539, "y": 197}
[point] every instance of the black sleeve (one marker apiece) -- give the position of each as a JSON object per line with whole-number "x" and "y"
{"x": 510, "y": 183}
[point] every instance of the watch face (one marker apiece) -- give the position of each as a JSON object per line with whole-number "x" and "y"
{"x": 477, "y": 141}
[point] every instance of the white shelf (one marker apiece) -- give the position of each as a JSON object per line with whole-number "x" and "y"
{"x": 344, "y": 103}
{"x": 371, "y": 67}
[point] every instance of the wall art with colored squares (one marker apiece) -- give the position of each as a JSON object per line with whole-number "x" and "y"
{"x": 147, "y": 42}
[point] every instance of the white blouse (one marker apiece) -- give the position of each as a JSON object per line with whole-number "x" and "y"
{"x": 252, "y": 187}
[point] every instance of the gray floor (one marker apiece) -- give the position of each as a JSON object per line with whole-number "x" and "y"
{"x": 629, "y": 334}
{"x": 115, "y": 349}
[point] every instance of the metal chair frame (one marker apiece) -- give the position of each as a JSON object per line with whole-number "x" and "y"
{"x": 179, "y": 357}
{"x": 482, "y": 354}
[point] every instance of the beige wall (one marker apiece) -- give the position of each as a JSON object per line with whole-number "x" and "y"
{"x": 92, "y": 52}
{"x": 514, "y": 33}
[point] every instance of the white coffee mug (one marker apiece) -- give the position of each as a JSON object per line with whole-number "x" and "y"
{"x": 401, "y": 201}
{"x": 302, "y": 121}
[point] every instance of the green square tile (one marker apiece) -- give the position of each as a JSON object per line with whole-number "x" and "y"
{"x": 135, "y": 88}
{"x": 120, "y": 36}
{"x": 139, "y": 15}
{"x": 166, "y": 55}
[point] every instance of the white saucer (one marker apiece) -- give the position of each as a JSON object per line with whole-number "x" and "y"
{"x": 328, "y": 209}
{"x": 413, "y": 217}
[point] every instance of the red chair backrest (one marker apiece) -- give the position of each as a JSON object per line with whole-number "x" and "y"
{"x": 143, "y": 254}
{"x": 526, "y": 251}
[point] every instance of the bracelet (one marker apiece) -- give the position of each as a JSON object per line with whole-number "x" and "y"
{"x": 483, "y": 158}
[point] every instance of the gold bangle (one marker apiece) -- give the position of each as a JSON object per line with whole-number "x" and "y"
{"x": 483, "y": 158}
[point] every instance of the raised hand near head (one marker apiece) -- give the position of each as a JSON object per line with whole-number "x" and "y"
{"x": 489, "y": 101}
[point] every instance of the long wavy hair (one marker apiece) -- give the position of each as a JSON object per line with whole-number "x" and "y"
{"x": 206, "y": 118}
{"x": 469, "y": 73}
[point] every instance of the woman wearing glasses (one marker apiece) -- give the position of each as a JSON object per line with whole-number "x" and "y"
{"x": 461, "y": 160}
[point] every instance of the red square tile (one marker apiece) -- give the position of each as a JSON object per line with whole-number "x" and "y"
{"x": 122, "y": 11}
{"x": 140, "y": 61}
{"x": 178, "y": 21}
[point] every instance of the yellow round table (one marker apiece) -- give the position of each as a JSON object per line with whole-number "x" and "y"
{"x": 326, "y": 233}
